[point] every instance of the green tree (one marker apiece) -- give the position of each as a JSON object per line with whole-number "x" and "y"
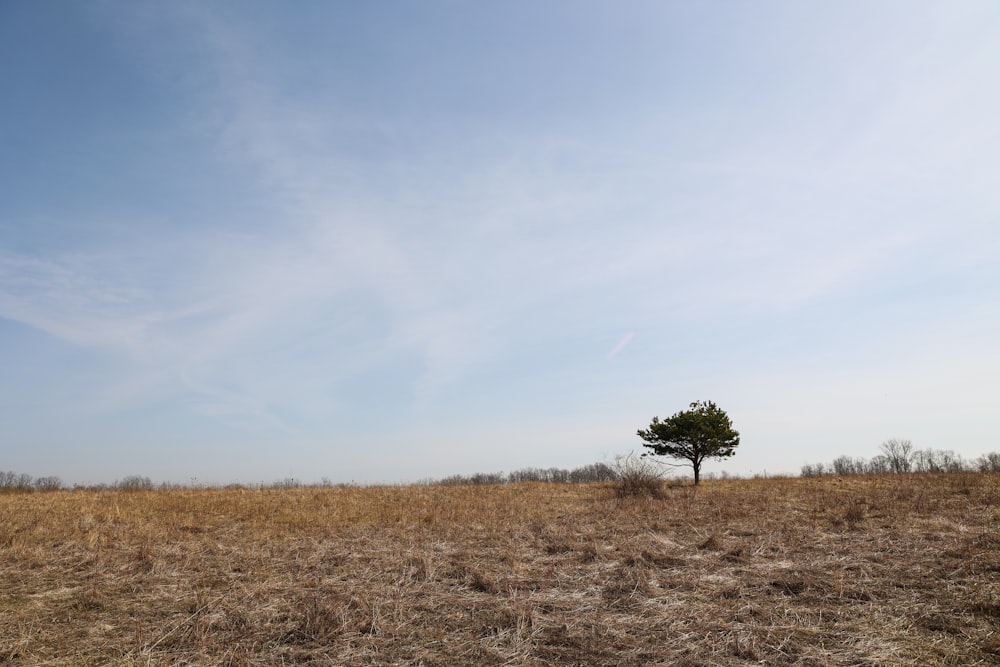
{"x": 703, "y": 432}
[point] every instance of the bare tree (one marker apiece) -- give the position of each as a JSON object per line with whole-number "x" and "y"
{"x": 898, "y": 453}
{"x": 51, "y": 483}
{"x": 15, "y": 481}
{"x": 134, "y": 483}
{"x": 879, "y": 465}
{"x": 845, "y": 465}
{"x": 989, "y": 462}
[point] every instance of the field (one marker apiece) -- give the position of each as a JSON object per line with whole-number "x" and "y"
{"x": 886, "y": 570}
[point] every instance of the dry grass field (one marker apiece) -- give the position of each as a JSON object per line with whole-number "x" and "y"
{"x": 892, "y": 570}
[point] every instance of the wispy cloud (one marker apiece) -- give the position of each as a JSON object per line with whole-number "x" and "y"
{"x": 621, "y": 345}
{"x": 384, "y": 239}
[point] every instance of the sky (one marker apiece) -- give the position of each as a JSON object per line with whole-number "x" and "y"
{"x": 390, "y": 241}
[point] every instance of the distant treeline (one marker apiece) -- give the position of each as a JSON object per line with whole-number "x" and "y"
{"x": 904, "y": 460}
{"x": 897, "y": 457}
{"x": 12, "y": 481}
{"x": 595, "y": 472}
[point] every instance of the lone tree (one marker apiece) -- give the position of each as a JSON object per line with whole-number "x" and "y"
{"x": 703, "y": 432}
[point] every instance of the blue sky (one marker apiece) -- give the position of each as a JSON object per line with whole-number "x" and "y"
{"x": 244, "y": 241}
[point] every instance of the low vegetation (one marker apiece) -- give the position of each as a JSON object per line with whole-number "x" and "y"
{"x": 899, "y": 456}
{"x": 900, "y": 569}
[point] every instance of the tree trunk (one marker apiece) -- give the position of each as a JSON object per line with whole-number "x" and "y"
{"x": 697, "y": 471}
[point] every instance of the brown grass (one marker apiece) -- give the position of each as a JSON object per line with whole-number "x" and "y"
{"x": 901, "y": 570}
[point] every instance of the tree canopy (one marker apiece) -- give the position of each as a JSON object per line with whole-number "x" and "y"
{"x": 702, "y": 432}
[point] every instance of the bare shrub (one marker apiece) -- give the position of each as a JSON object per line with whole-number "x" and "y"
{"x": 637, "y": 476}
